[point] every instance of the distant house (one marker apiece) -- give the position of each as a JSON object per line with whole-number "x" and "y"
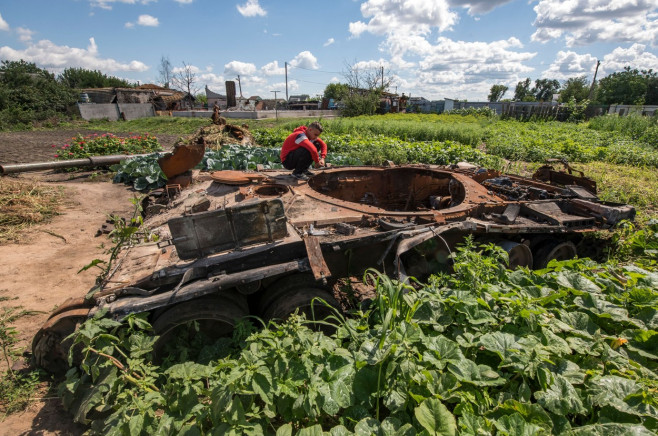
{"x": 214, "y": 97}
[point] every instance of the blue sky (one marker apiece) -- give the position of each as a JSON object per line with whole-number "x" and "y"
{"x": 432, "y": 48}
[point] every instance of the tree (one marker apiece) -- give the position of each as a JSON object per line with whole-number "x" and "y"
{"x": 337, "y": 91}
{"x": 497, "y": 92}
{"x": 77, "y": 78}
{"x": 522, "y": 90}
{"x": 545, "y": 88}
{"x": 630, "y": 86}
{"x": 366, "y": 86}
{"x": 165, "y": 72}
{"x": 185, "y": 78}
{"x": 576, "y": 88}
{"x": 29, "y": 94}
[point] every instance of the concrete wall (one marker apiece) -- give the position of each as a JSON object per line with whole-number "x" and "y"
{"x": 112, "y": 111}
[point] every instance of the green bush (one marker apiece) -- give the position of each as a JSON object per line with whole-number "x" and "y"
{"x": 105, "y": 145}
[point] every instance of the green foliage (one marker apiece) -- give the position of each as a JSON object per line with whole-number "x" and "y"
{"x": 497, "y": 92}
{"x": 536, "y": 142}
{"x": 567, "y": 349}
{"x": 637, "y": 127}
{"x": 358, "y": 103}
{"x": 16, "y": 388}
{"x": 29, "y": 95}
{"x": 544, "y": 89}
{"x": 141, "y": 172}
{"x": 576, "y": 88}
{"x": 522, "y": 91}
{"x": 105, "y": 145}
{"x": 638, "y": 244}
{"x": 337, "y": 91}
{"x": 357, "y": 149}
{"x": 76, "y": 78}
{"x": 630, "y": 86}
{"x": 483, "y": 111}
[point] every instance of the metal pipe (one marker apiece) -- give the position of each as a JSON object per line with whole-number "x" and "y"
{"x": 92, "y": 161}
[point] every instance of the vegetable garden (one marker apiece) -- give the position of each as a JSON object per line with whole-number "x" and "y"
{"x": 566, "y": 350}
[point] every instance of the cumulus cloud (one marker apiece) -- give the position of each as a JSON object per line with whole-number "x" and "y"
{"x": 3, "y": 24}
{"x": 404, "y": 16}
{"x": 478, "y": 6}
{"x": 329, "y": 42}
{"x": 184, "y": 2}
{"x": 272, "y": 69}
{"x": 251, "y": 9}
{"x": 234, "y": 68}
{"x": 58, "y": 57}
{"x": 306, "y": 60}
{"x": 24, "y": 34}
{"x": 144, "y": 20}
{"x": 635, "y": 56}
{"x": 584, "y": 22}
{"x": 569, "y": 64}
{"x": 148, "y": 21}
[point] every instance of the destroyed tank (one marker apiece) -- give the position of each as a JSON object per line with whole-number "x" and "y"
{"x": 239, "y": 243}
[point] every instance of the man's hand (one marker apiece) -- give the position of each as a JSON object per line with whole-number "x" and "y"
{"x": 319, "y": 164}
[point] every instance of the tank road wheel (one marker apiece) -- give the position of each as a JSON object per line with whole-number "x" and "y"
{"x": 201, "y": 321}
{"x": 558, "y": 250}
{"x": 298, "y": 293}
{"x": 50, "y": 350}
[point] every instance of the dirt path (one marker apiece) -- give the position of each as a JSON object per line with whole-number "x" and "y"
{"x": 41, "y": 273}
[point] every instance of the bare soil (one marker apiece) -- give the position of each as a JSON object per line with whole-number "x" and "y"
{"x": 41, "y": 272}
{"x": 36, "y": 146}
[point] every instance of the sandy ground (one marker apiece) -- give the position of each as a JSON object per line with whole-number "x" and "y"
{"x": 41, "y": 272}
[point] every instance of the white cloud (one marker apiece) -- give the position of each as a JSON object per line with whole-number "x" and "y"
{"x": 24, "y": 34}
{"x": 329, "y": 42}
{"x": 234, "y": 68}
{"x": 107, "y": 4}
{"x": 3, "y": 24}
{"x": 184, "y": 2}
{"x": 148, "y": 21}
{"x": 192, "y": 68}
{"x": 251, "y": 9}
{"x": 478, "y": 6}
{"x": 635, "y": 56}
{"x": 569, "y": 64}
{"x": 584, "y": 22}
{"x": 272, "y": 69}
{"x": 404, "y": 16}
{"x": 56, "y": 58}
{"x": 306, "y": 60}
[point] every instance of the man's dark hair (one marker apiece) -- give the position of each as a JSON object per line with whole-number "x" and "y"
{"x": 315, "y": 125}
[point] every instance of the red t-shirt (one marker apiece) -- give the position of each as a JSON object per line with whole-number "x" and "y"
{"x": 298, "y": 139}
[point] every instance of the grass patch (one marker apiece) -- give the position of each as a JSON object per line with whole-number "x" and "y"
{"x": 23, "y": 204}
{"x": 17, "y": 388}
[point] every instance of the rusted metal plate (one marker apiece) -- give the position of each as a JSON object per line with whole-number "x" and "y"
{"x": 205, "y": 233}
{"x": 230, "y": 177}
{"x": 184, "y": 157}
{"x": 316, "y": 259}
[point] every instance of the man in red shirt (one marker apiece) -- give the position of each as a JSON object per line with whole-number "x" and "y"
{"x": 302, "y": 147}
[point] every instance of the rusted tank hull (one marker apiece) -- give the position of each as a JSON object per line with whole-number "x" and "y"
{"x": 275, "y": 242}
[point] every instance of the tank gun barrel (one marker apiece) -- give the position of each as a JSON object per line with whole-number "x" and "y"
{"x": 92, "y": 161}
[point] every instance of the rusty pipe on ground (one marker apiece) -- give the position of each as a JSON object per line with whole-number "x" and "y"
{"x": 92, "y": 161}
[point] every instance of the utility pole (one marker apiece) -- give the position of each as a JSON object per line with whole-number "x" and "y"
{"x": 591, "y": 88}
{"x": 276, "y": 109}
{"x": 382, "y": 78}
{"x": 240, "y": 85}
{"x": 286, "y": 65}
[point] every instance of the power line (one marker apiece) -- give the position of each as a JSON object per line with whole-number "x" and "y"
{"x": 318, "y": 71}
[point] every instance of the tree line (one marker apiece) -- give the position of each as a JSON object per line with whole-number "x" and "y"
{"x": 30, "y": 95}
{"x": 630, "y": 86}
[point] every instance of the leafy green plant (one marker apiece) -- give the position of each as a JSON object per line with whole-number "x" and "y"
{"x": 487, "y": 350}
{"x": 105, "y": 145}
{"x": 141, "y": 172}
{"x": 16, "y": 388}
